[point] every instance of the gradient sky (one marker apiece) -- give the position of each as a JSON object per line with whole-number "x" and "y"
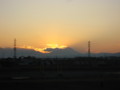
{"x": 71, "y": 23}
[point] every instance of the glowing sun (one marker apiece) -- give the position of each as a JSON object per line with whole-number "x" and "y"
{"x": 56, "y": 46}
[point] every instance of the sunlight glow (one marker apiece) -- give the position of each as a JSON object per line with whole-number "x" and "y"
{"x": 42, "y": 50}
{"x": 56, "y": 46}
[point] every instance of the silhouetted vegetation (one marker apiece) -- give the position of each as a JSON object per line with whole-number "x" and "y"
{"x": 63, "y": 64}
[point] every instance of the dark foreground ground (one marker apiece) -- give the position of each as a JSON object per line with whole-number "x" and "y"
{"x": 73, "y": 74}
{"x": 87, "y": 80}
{"x": 60, "y": 85}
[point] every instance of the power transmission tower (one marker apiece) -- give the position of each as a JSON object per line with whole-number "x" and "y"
{"x": 89, "y": 49}
{"x": 14, "y": 48}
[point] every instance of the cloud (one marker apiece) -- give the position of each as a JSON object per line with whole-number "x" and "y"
{"x": 50, "y": 49}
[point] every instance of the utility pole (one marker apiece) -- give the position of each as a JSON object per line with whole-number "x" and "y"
{"x": 89, "y": 49}
{"x": 14, "y": 49}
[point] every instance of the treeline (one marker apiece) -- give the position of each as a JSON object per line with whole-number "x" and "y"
{"x": 63, "y": 64}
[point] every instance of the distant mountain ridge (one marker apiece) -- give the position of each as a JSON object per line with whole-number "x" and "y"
{"x": 54, "y": 53}
{"x": 66, "y": 52}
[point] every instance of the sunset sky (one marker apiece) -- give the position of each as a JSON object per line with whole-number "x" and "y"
{"x": 71, "y": 23}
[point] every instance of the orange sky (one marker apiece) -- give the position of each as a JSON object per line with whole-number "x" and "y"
{"x": 73, "y": 23}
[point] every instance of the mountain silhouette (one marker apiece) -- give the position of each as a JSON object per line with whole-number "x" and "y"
{"x": 61, "y": 53}
{"x": 8, "y": 52}
{"x": 54, "y": 53}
